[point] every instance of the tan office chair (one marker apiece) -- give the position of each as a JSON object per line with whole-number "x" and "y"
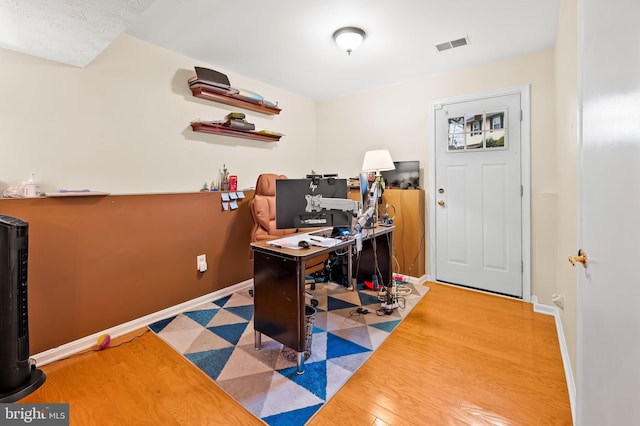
{"x": 263, "y": 211}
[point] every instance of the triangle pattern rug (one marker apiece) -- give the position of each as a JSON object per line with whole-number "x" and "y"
{"x": 218, "y": 338}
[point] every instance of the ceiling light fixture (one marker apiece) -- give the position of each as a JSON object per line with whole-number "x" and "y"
{"x": 349, "y": 38}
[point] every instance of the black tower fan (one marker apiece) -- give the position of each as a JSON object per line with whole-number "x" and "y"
{"x": 18, "y": 375}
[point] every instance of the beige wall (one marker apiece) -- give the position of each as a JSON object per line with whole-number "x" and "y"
{"x": 399, "y": 118}
{"x": 566, "y": 69}
{"x": 122, "y": 124}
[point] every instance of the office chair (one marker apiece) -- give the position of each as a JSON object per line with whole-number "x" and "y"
{"x": 263, "y": 211}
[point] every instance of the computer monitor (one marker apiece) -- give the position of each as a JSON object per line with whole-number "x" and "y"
{"x": 406, "y": 175}
{"x": 291, "y": 203}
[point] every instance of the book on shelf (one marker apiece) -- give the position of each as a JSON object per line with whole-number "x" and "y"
{"x": 240, "y": 125}
{"x": 235, "y": 116}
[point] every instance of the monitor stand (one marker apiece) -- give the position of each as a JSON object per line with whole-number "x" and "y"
{"x": 370, "y": 223}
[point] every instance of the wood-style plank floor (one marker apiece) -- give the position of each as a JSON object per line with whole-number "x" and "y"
{"x": 460, "y": 358}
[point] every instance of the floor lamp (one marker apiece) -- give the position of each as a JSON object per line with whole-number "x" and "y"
{"x": 377, "y": 161}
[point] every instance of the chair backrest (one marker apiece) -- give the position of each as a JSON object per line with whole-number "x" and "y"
{"x": 263, "y": 209}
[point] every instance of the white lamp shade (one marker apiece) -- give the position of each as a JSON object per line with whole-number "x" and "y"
{"x": 377, "y": 160}
{"x": 349, "y": 38}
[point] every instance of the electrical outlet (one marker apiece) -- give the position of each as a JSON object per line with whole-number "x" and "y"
{"x": 200, "y": 262}
{"x": 558, "y": 300}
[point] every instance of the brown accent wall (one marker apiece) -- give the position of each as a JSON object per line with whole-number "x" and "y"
{"x": 97, "y": 262}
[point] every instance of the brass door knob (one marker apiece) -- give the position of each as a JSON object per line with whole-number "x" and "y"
{"x": 441, "y": 203}
{"x": 580, "y": 258}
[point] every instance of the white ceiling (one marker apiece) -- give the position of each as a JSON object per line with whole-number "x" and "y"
{"x": 288, "y": 43}
{"x": 73, "y": 32}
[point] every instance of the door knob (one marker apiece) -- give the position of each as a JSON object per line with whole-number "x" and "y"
{"x": 580, "y": 258}
{"x": 441, "y": 203}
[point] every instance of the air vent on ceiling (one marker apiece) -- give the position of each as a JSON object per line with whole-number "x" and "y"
{"x": 451, "y": 44}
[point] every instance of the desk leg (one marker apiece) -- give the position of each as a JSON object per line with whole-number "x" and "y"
{"x": 353, "y": 282}
{"x": 391, "y": 258}
{"x": 257, "y": 338}
{"x": 300, "y": 362}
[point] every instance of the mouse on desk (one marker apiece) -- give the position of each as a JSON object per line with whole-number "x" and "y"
{"x": 303, "y": 244}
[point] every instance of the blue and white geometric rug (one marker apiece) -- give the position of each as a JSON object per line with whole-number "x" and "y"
{"x": 218, "y": 338}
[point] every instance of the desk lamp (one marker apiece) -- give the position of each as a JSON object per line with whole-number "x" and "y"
{"x": 377, "y": 161}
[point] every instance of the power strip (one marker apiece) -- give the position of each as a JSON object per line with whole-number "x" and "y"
{"x": 389, "y": 306}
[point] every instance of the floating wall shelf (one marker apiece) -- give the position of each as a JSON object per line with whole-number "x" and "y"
{"x": 206, "y": 92}
{"x": 203, "y": 127}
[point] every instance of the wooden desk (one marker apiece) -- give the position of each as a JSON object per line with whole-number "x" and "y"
{"x": 279, "y": 287}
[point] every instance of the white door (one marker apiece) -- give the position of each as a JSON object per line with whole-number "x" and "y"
{"x": 608, "y": 337}
{"x": 478, "y": 194}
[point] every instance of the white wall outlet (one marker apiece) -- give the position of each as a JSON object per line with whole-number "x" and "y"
{"x": 201, "y": 263}
{"x": 558, "y": 300}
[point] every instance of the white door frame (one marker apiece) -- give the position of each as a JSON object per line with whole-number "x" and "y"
{"x": 525, "y": 170}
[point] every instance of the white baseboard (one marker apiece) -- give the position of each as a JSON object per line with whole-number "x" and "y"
{"x": 568, "y": 372}
{"x": 63, "y": 351}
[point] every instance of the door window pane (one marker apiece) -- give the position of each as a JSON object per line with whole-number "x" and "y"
{"x": 456, "y": 134}
{"x": 496, "y": 130}
{"x": 474, "y": 126}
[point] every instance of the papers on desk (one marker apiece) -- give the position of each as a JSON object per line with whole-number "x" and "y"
{"x": 292, "y": 241}
{"x": 323, "y": 241}
{"x": 289, "y": 242}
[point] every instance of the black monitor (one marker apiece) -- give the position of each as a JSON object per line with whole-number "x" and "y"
{"x": 291, "y": 203}
{"x": 406, "y": 175}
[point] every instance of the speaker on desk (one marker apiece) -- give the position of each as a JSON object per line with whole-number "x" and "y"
{"x": 18, "y": 376}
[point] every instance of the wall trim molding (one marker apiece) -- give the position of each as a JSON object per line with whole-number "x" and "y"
{"x": 568, "y": 373}
{"x": 68, "y": 349}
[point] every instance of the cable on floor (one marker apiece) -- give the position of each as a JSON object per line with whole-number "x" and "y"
{"x": 98, "y": 349}
{"x": 357, "y": 314}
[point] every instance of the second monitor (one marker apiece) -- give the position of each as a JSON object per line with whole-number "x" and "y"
{"x": 291, "y": 203}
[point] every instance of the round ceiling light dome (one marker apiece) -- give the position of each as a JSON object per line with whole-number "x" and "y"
{"x": 349, "y": 38}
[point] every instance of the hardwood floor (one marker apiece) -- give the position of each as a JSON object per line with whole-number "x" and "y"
{"x": 460, "y": 358}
